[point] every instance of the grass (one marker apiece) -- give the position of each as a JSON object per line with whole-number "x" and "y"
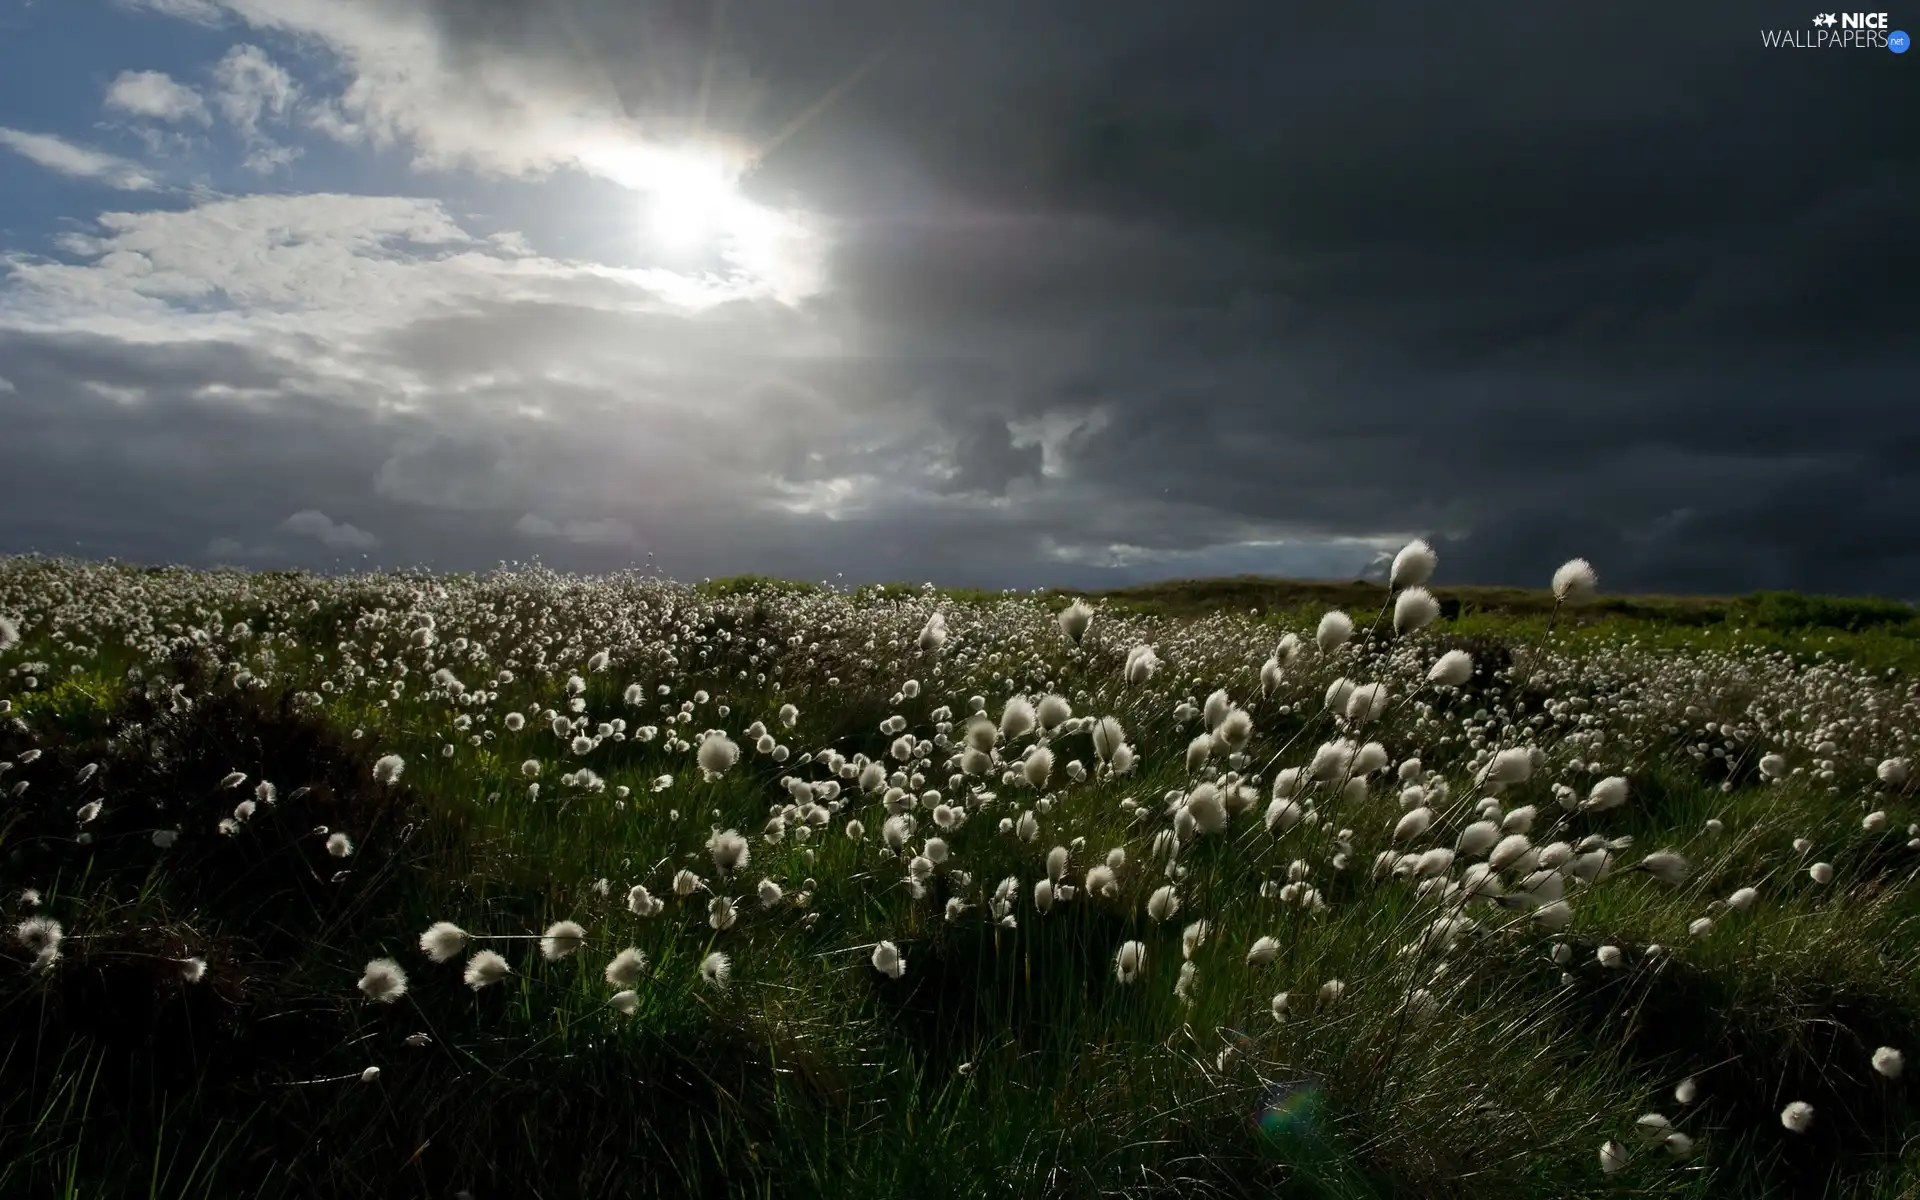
{"x": 1006, "y": 1060}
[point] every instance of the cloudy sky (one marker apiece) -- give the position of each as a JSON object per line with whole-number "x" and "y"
{"x": 995, "y": 292}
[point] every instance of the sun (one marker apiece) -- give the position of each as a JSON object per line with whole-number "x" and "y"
{"x": 692, "y": 199}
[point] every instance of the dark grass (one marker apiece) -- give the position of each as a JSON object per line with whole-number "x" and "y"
{"x": 815, "y": 1076}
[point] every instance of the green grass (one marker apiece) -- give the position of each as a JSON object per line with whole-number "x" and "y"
{"x": 1005, "y": 1061}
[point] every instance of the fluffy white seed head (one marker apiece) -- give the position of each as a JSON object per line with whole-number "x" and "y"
{"x": 1414, "y": 610}
{"x": 1451, "y": 669}
{"x": 443, "y": 941}
{"x": 1334, "y": 630}
{"x": 1889, "y": 1062}
{"x": 1413, "y": 566}
{"x": 624, "y": 971}
{"x": 888, "y": 960}
{"x": 561, "y": 939}
{"x": 383, "y": 981}
{"x": 1575, "y": 580}
{"x": 484, "y": 969}
{"x": 1074, "y": 620}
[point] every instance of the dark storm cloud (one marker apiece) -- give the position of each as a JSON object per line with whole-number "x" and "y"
{"x": 1135, "y": 278}
{"x": 1616, "y": 281}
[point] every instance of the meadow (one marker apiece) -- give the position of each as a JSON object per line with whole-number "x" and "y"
{"x": 528, "y": 884}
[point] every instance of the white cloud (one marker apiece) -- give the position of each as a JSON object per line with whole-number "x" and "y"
{"x": 505, "y": 382}
{"x": 255, "y": 89}
{"x": 334, "y": 535}
{"x": 156, "y": 96}
{"x": 327, "y": 268}
{"x": 204, "y": 12}
{"x": 607, "y": 531}
{"x": 58, "y": 154}
{"x": 6, "y": 385}
{"x": 519, "y": 116}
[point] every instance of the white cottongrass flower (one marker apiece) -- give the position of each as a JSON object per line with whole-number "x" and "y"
{"x": 626, "y": 1002}
{"x": 1074, "y": 620}
{"x": 339, "y": 845}
{"x": 1575, "y": 580}
{"x": 1668, "y": 866}
{"x": 42, "y": 936}
{"x": 233, "y": 779}
{"x": 1893, "y": 772}
{"x": 1052, "y": 711}
{"x": 1129, "y": 961}
{"x": 1141, "y": 664}
{"x": 888, "y": 960}
{"x": 1207, "y": 807}
{"x": 717, "y": 969}
{"x": 1613, "y": 1157}
{"x": 1413, "y": 566}
{"x": 387, "y": 770}
{"x": 1451, "y": 669}
{"x": 769, "y": 893}
{"x": 642, "y": 903}
{"x": 384, "y": 981}
{"x": 717, "y": 754}
{"x": 1652, "y": 1128}
{"x": 370, "y": 1075}
{"x": 1686, "y": 1091}
{"x": 484, "y": 969}
{"x": 1414, "y": 610}
{"x": 1036, "y": 768}
{"x": 443, "y": 940}
{"x": 1017, "y": 719}
{"x": 1610, "y": 792}
{"x": 1512, "y": 765}
{"x": 1797, "y": 1117}
{"x": 1889, "y": 1062}
{"x": 1743, "y": 899}
{"x": 1334, "y": 630}
{"x": 1821, "y": 872}
{"x": 1365, "y": 703}
{"x": 1163, "y": 903}
{"x": 1264, "y": 951}
{"x": 1193, "y": 937}
{"x": 721, "y": 914}
{"x": 561, "y": 939}
{"x": 1413, "y": 824}
{"x": 625, "y": 969}
{"x": 729, "y": 850}
{"x": 193, "y": 970}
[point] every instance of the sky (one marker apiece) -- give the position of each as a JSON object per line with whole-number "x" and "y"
{"x": 1003, "y": 293}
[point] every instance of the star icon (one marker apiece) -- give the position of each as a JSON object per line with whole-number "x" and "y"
{"x": 1827, "y": 19}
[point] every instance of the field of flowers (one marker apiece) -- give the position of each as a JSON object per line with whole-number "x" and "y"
{"x": 526, "y": 884}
